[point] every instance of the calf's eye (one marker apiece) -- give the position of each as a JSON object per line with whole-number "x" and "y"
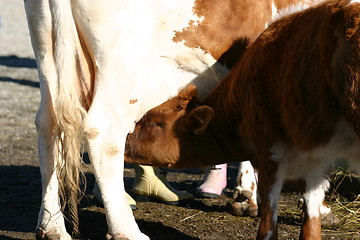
{"x": 155, "y": 124}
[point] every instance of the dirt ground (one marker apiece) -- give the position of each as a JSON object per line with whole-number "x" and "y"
{"x": 20, "y": 187}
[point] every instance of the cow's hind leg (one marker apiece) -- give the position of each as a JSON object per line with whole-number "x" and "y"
{"x": 119, "y": 83}
{"x": 313, "y": 190}
{"x": 51, "y": 223}
{"x": 106, "y": 133}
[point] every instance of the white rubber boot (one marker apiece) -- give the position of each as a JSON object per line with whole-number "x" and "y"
{"x": 151, "y": 182}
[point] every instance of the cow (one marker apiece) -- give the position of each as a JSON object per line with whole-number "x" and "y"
{"x": 290, "y": 105}
{"x": 101, "y": 66}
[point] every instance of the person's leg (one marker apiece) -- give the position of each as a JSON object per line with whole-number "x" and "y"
{"x": 214, "y": 182}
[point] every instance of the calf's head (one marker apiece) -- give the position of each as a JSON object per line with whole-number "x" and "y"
{"x": 166, "y": 135}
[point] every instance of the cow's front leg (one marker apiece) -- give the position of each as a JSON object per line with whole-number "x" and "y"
{"x": 106, "y": 136}
{"x": 269, "y": 187}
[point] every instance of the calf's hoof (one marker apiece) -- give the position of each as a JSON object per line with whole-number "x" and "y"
{"x": 239, "y": 208}
{"x": 243, "y": 206}
{"x": 253, "y": 211}
{"x": 243, "y": 209}
{"x": 329, "y": 219}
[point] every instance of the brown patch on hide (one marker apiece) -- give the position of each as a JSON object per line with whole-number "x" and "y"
{"x": 112, "y": 151}
{"x": 91, "y": 133}
{"x": 239, "y": 179}
{"x": 223, "y": 21}
{"x": 280, "y": 4}
{"x": 133, "y": 101}
{"x": 252, "y": 186}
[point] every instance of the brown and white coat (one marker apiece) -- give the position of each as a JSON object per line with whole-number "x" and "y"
{"x": 102, "y": 64}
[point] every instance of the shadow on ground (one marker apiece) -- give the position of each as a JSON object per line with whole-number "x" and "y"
{"x": 14, "y": 61}
{"x": 20, "y": 194}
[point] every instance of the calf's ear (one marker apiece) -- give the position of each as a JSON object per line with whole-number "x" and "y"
{"x": 198, "y": 119}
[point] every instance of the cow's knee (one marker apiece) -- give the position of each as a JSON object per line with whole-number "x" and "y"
{"x": 45, "y": 121}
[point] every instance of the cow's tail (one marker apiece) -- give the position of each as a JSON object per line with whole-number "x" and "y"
{"x": 69, "y": 111}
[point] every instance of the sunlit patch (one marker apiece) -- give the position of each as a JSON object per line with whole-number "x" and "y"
{"x": 294, "y": 8}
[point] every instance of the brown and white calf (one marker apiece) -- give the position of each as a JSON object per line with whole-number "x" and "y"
{"x": 291, "y": 105}
{"x": 245, "y": 196}
{"x": 102, "y": 65}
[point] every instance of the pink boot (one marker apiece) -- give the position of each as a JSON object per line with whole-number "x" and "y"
{"x": 214, "y": 182}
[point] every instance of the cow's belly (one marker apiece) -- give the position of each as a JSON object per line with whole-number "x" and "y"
{"x": 170, "y": 73}
{"x": 145, "y": 65}
{"x": 296, "y": 164}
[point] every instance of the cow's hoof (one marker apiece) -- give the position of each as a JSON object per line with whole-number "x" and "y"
{"x": 41, "y": 235}
{"x": 329, "y": 219}
{"x": 253, "y": 211}
{"x": 239, "y": 208}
